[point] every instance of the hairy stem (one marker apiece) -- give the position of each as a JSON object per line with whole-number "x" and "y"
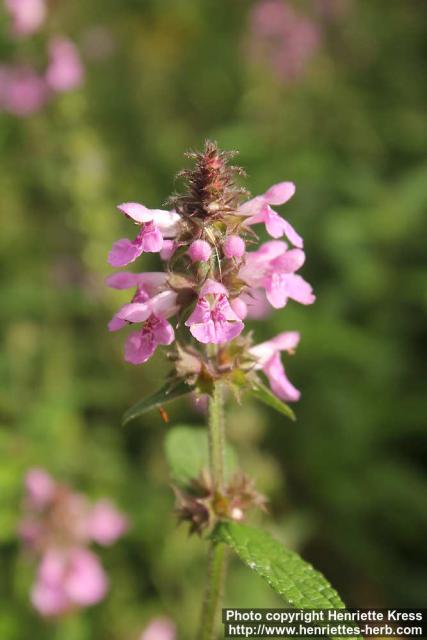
{"x": 216, "y": 437}
{"x": 217, "y": 551}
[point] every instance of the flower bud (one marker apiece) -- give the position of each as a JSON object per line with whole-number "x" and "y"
{"x": 234, "y": 247}
{"x": 200, "y": 251}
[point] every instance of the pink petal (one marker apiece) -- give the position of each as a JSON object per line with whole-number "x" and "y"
{"x": 164, "y": 304}
{"x": 212, "y": 287}
{"x": 65, "y": 71}
{"x": 201, "y": 313}
{"x": 252, "y": 207}
{"x": 257, "y": 304}
{"x": 116, "y": 324}
{"x": 239, "y": 307}
{"x": 122, "y": 280}
{"x": 105, "y": 523}
{"x": 292, "y": 235}
{"x": 279, "y": 383}
{"x": 300, "y": 290}
{"x": 124, "y": 252}
{"x": 139, "y": 348}
{"x": 150, "y": 237}
{"x": 40, "y": 488}
{"x": 279, "y": 193}
{"x": 286, "y": 341}
{"x": 212, "y": 332}
{"x": 49, "y": 600}
{"x": 276, "y": 290}
{"x": 159, "y": 629}
{"x": 136, "y": 212}
{"x": 135, "y": 312}
{"x": 163, "y": 332}
{"x": 274, "y": 224}
{"x": 86, "y": 582}
{"x": 290, "y": 261}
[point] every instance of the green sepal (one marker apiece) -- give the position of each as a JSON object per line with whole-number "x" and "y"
{"x": 263, "y": 394}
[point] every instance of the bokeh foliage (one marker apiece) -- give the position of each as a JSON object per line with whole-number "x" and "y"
{"x": 346, "y": 481}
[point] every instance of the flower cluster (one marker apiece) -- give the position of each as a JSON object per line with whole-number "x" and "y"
{"x": 57, "y": 528}
{"x": 211, "y": 274}
{"x": 24, "y": 90}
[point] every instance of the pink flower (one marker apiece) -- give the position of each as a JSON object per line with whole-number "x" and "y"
{"x": 213, "y": 320}
{"x": 159, "y": 629}
{"x": 22, "y": 91}
{"x": 66, "y": 578}
{"x": 282, "y": 38}
{"x": 105, "y": 524}
{"x": 199, "y": 251}
{"x": 156, "y": 224}
{"x": 147, "y": 284}
{"x": 141, "y": 345}
{"x": 27, "y": 15}
{"x": 40, "y": 488}
{"x": 258, "y": 211}
{"x": 234, "y": 247}
{"x": 65, "y": 71}
{"x": 267, "y": 355}
{"x": 272, "y": 267}
{"x": 155, "y": 330}
{"x": 257, "y": 304}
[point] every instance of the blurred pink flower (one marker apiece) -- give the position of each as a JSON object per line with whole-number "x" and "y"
{"x": 65, "y": 71}
{"x": 22, "y": 90}
{"x": 40, "y": 488}
{"x": 68, "y": 578}
{"x": 159, "y": 629}
{"x": 27, "y": 15}
{"x": 105, "y": 524}
{"x": 282, "y": 38}
{"x": 57, "y": 528}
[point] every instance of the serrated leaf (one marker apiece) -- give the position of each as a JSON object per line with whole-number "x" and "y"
{"x": 295, "y": 580}
{"x": 263, "y": 394}
{"x": 166, "y": 394}
{"x": 187, "y": 453}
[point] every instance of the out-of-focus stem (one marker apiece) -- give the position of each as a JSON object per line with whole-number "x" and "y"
{"x": 217, "y": 551}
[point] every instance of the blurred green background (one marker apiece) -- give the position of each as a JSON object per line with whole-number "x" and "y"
{"x": 346, "y": 482}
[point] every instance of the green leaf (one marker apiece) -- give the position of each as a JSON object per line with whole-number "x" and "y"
{"x": 187, "y": 453}
{"x": 262, "y": 393}
{"x": 166, "y": 394}
{"x": 299, "y": 584}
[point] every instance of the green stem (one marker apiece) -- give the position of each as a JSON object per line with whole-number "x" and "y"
{"x": 216, "y": 438}
{"x": 217, "y": 551}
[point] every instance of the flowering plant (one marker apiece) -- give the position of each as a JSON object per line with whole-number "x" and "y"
{"x": 214, "y": 276}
